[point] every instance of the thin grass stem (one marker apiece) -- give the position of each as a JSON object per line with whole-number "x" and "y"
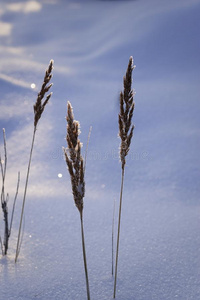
{"x": 4, "y": 199}
{"x": 24, "y": 197}
{"x": 84, "y": 257}
{"x": 1, "y": 245}
{"x": 14, "y": 202}
{"x": 3, "y": 170}
{"x": 113, "y": 225}
{"x": 22, "y": 235}
{"x": 6, "y": 229}
{"x": 118, "y": 232}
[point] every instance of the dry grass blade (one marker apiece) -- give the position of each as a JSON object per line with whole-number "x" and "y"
{"x": 38, "y": 110}
{"x": 126, "y": 134}
{"x": 76, "y": 169}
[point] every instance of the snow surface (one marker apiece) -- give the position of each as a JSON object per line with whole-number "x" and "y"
{"x": 91, "y": 42}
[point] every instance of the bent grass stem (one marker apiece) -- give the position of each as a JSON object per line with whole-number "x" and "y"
{"x": 24, "y": 197}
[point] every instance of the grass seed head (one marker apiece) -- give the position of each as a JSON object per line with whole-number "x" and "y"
{"x": 39, "y": 105}
{"x": 74, "y": 158}
{"x": 126, "y": 113}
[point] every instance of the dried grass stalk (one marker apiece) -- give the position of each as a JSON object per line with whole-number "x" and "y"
{"x": 4, "y": 197}
{"x": 4, "y": 200}
{"x": 76, "y": 169}
{"x": 126, "y": 134}
{"x": 38, "y": 110}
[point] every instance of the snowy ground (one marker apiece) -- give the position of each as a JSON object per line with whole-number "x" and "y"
{"x": 91, "y": 42}
{"x": 159, "y": 251}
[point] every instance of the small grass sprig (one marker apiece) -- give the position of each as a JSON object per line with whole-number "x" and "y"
{"x": 5, "y": 199}
{"x": 76, "y": 167}
{"x": 38, "y": 110}
{"x": 125, "y": 133}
